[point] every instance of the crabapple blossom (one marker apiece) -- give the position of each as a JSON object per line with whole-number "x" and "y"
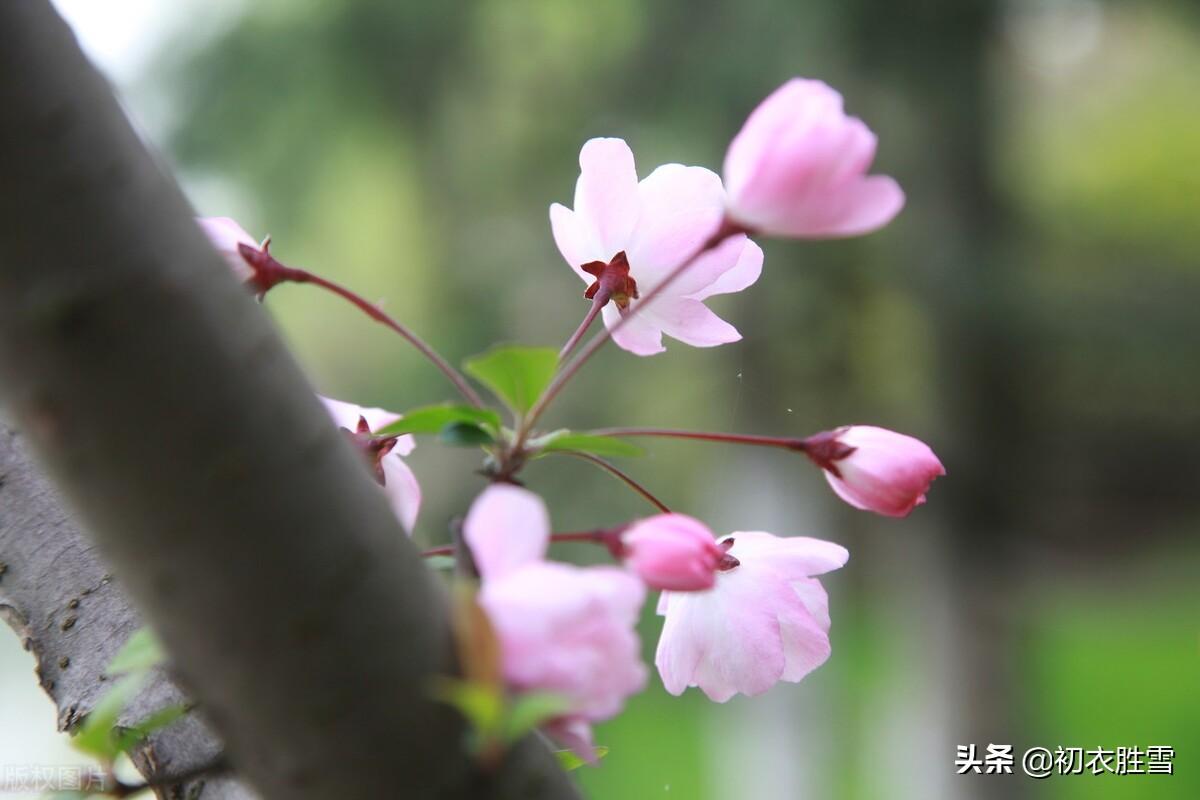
{"x": 798, "y": 168}
{"x": 766, "y": 620}
{"x": 562, "y": 628}
{"x": 624, "y": 237}
{"x": 399, "y": 483}
{"x": 671, "y": 551}
{"x": 226, "y": 235}
{"x": 876, "y": 469}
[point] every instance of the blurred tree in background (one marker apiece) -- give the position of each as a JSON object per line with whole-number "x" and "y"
{"x": 1031, "y": 315}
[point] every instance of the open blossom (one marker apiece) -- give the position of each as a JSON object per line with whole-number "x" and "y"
{"x": 766, "y": 620}
{"x": 562, "y": 629}
{"x": 876, "y": 469}
{"x": 399, "y": 483}
{"x": 798, "y": 168}
{"x": 226, "y": 234}
{"x": 672, "y": 551}
{"x": 625, "y": 237}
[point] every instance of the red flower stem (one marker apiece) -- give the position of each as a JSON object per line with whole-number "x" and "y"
{"x": 726, "y": 229}
{"x": 784, "y": 442}
{"x": 621, "y": 476}
{"x": 374, "y": 312}
{"x": 603, "y": 536}
{"x": 598, "y": 302}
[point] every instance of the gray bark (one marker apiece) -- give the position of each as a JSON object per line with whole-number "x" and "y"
{"x": 70, "y": 613}
{"x": 161, "y": 402}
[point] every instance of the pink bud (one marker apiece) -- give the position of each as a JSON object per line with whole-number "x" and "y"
{"x": 876, "y": 469}
{"x": 673, "y": 552}
{"x": 798, "y": 168}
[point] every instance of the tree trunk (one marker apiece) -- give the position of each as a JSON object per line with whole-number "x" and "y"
{"x": 163, "y": 405}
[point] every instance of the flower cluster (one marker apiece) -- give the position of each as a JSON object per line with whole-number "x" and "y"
{"x": 742, "y": 611}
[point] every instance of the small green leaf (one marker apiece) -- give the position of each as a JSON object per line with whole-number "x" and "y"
{"x": 128, "y": 737}
{"x": 441, "y": 562}
{"x": 585, "y": 443}
{"x": 569, "y": 761}
{"x": 432, "y": 419}
{"x": 141, "y": 652}
{"x": 465, "y": 434}
{"x": 517, "y": 375}
{"x": 530, "y": 710}
{"x": 96, "y": 736}
{"x": 481, "y": 704}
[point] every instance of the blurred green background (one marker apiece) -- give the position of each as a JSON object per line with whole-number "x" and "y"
{"x": 1031, "y": 314}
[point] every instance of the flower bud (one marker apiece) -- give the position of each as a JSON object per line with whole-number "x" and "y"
{"x": 798, "y": 168}
{"x": 875, "y": 469}
{"x": 673, "y": 552}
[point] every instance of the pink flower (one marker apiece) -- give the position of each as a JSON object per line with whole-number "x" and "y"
{"x": 798, "y": 168}
{"x": 562, "y": 629}
{"x": 226, "y": 234}
{"x": 672, "y": 551}
{"x": 628, "y": 236}
{"x": 876, "y": 469}
{"x": 766, "y": 619}
{"x": 399, "y": 482}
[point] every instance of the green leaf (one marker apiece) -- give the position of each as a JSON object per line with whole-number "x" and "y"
{"x": 517, "y": 375}
{"x": 141, "y": 652}
{"x": 441, "y": 562}
{"x": 584, "y": 443}
{"x": 530, "y": 710}
{"x": 569, "y": 761}
{"x": 432, "y": 419}
{"x": 482, "y": 704}
{"x": 96, "y": 736}
{"x": 465, "y": 434}
{"x": 128, "y": 737}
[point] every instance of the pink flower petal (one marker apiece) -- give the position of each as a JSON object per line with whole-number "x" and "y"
{"x": 681, "y": 207}
{"x": 574, "y": 240}
{"x": 800, "y": 555}
{"x": 805, "y": 631}
{"x": 639, "y": 336}
{"x": 606, "y": 195}
{"x": 797, "y": 168}
{"x": 226, "y": 234}
{"x": 793, "y": 107}
{"x": 575, "y": 734}
{"x": 672, "y": 551}
{"x": 690, "y": 321}
{"x": 402, "y": 489}
{"x": 506, "y": 528}
{"x": 888, "y": 472}
{"x": 346, "y": 415}
{"x": 569, "y": 630}
{"x": 766, "y": 620}
{"x": 746, "y": 269}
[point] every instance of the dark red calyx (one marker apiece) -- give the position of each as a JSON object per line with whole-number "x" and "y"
{"x": 373, "y": 448}
{"x": 268, "y": 272}
{"x": 727, "y": 561}
{"x": 613, "y": 281}
{"x": 825, "y": 449}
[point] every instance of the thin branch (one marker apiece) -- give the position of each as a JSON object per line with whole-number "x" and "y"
{"x": 597, "y": 303}
{"x": 379, "y": 315}
{"x": 620, "y": 475}
{"x": 787, "y": 443}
